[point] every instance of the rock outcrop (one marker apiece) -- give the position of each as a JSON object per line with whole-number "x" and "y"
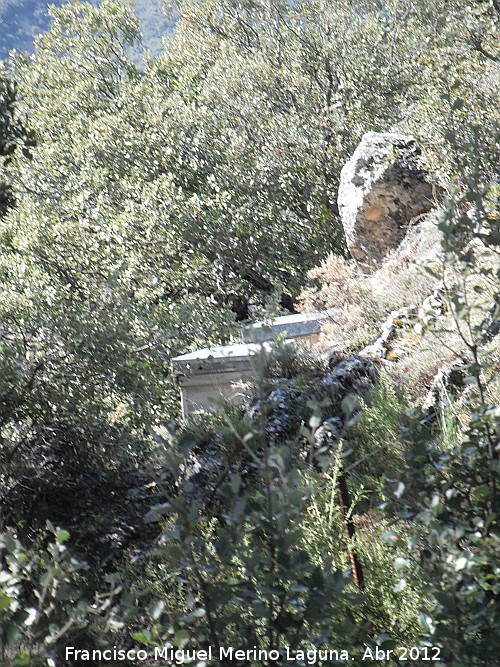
{"x": 383, "y": 188}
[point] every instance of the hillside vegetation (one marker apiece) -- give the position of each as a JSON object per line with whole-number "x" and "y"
{"x": 22, "y": 20}
{"x": 146, "y": 209}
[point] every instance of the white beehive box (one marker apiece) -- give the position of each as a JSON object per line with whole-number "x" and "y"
{"x": 205, "y": 375}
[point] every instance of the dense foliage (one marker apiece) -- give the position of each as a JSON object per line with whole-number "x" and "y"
{"x": 146, "y": 208}
{"x": 22, "y": 20}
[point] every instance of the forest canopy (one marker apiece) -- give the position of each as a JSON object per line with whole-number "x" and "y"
{"x": 22, "y": 20}
{"x": 148, "y": 205}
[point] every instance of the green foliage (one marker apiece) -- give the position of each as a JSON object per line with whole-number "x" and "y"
{"x": 292, "y": 362}
{"x": 272, "y": 148}
{"x": 458, "y": 99}
{"x": 40, "y": 601}
{"x": 223, "y": 429}
{"x": 87, "y": 331}
{"x": 375, "y": 439}
{"x": 46, "y": 602}
{"x": 392, "y": 595}
{"x": 22, "y": 20}
{"x": 452, "y": 493}
{"x": 247, "y": 579}
{"x": 155, "y": 206}
{"x": 13, "y": 134}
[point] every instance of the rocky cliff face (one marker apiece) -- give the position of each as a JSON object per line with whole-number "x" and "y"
{"x": 383, "y": 190}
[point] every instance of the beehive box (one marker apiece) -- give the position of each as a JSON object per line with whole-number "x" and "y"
{"x": 206, "y": 375}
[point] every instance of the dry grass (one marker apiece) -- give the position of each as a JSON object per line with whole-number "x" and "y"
{"x": 365, "y": 300}
{"x": 419, "y": 359}
{"x": 402, "y": 280}
{"x": 337, "y": 283}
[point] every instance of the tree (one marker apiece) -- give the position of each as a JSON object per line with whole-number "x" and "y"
{"x": 12, "y": 135}
{"x": 156, "y": 205}
{"x": 86, "y": 337}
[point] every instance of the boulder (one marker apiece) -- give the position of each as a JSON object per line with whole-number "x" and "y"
{"x": 383, "y": 188}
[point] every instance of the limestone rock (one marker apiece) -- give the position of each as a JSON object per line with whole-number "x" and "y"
{"x": 379, "y": 347}
{"x": 383, "y": 188}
